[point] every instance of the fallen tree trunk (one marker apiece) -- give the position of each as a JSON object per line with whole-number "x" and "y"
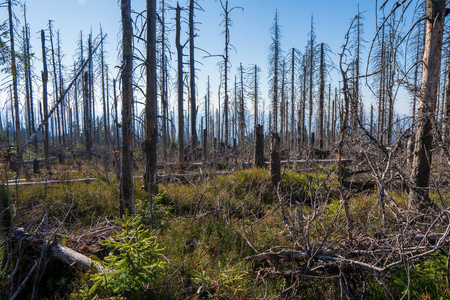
{"x": 85, "y": 180}
{"x": 71, "y": 257}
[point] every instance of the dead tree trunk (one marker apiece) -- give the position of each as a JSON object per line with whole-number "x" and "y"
{"x": 420, "y": 173}
{"x": 127, "y": 102}
{"x": 151, "y": 179}
{"x": 14, "y": 77}
{"x": 163, "y": 80}
{"x": 105, "y": 109}
{"x": 44, "y": 100}
{"x": 275, "y": 166}
{"x": 291, "y": 136}
{"x": 241, "y": 109}
{"x": 180, "y": 87}
{"x": 275, "y": 160}
{"x": 87, "y": 120}
{"x": 321, "y": 96}
{"x": 446, "y": 129}
{"x": 259, "y": 146}
{"x": 192, "y": 77}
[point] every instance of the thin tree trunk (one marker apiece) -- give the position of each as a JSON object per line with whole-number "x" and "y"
{"x": 194, "y": 137}
{"x": 446, "y": 125}
{"x": 44, "y": 100}
{"x": 321, "y": 96}
{"x": 14, "y": 77}
{"x": 105, "y": 119}
{"x": 291, "y": 137}
{"x": 151, "y": 112}
{"x": 180, "y": 88}
{"x": 241, "y": 109}
{"x": 127, "y": 103}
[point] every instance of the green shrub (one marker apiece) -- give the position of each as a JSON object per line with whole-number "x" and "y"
{"x": 133, "y": 264}
{"x": 428, "y": 281}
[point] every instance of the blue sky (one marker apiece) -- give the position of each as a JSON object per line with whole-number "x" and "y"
{"x": 249, "y": 34}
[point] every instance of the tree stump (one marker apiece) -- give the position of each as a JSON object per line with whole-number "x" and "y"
{"x": 275, "y": 161}
{"x": 259, "y": 146}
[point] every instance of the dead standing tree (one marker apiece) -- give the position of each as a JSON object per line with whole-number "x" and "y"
{"x": 44, "y": 99}
{"x": 14, "y": 80}
{"x": 151, "y": 103}
{"x": 435, "y": 12}
{"x": 192, "y": 35}
{"x": 126, "y": 198}
{"x": 226, "y": 64}
{"x": 180, "y": 86}
{"x": 275, "y": 163}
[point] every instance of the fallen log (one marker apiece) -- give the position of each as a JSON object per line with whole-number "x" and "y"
{"x": 85, "y": 180}
{"x": 326, "y": 256}
{"x": 71, "y": 257}
{"x": 313, "y": 161}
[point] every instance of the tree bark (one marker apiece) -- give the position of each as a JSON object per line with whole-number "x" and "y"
{"x": 151, "y": 112}
{"x": 420, "y": 173}
{"x": 127, "y": 102}
{"x": 259, "y": 146}
{"x": 275, "y": 160}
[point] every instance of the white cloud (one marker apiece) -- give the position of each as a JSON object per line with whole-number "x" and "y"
{"x": 82, "y": 2}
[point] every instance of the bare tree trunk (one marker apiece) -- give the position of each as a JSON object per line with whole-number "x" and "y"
{"x": 14, "y": 77}
{"x": 55, "y": 83}
{"x": 446, "y": 128}
{"x": 127, "y": 103}
{"x": 303, "y": 110}
{"x": 241, "y": 109}
{"x": 194, "y": 137}
{"x": 275, "y": 166}
{"x": 28, "y": 78}
{"x": 255, "y": 95}
{"x": 226, "y": 21}
{"x": 180, "y": 88}
{"x": 87, "y": 120}
{"x": 151, "y": 112}
{"x": 420, "y": 173}
{"x": 275, "y": 161}
{"x": 291, "y": 137}
{"x": 163, "y": 80}
{"x": 61, "y": 89}
{"x": 311, "y": 84}
{"x": 91, "y": 92}
{"x": 259, "y": 146}
{"x": 321, "y": 96}
{"x": 105, "y": 119}
{"x": 44, "y": 100}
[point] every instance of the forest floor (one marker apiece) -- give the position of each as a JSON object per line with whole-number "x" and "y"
{"x": 203, "y": 236}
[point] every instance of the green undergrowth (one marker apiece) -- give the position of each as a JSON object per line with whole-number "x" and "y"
{"x": 204, "y": 230}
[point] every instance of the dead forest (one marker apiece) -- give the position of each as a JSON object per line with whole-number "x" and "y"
{"x": 127, "y": 180}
